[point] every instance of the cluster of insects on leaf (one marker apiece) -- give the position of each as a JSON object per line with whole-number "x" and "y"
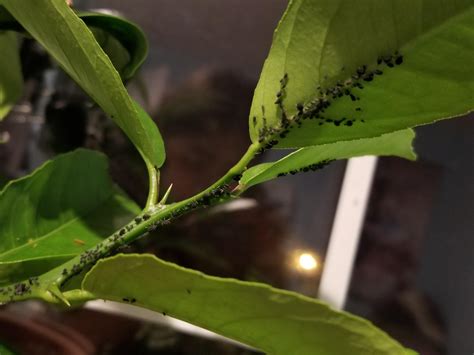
{"x": 315, "y": 109}
{"x": 21, "y": 288}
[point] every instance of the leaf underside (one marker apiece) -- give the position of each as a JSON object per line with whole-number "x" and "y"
{"x": 273, "y": 320}
{"x": 316, "y": 157}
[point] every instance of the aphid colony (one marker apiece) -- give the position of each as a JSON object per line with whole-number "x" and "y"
{"x": 314, "y": 109}
{"x": 312, "y": 167}
{"x": 117, "y": 241}
{"x": 129, "y": 299}
{"x": 20, "y": 289}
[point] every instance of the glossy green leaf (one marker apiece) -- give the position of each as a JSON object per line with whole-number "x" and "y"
{"x": 123, "y": 41}
{"x": 321, "y": 42}
{"x": 307, "y": 159}
{"x": 119, "y": 32}
{"x": 11, "y": 80}
{"x": 273, "y": 320}
{"x": 63, "y": 208}
{"x": 72, "y": 44}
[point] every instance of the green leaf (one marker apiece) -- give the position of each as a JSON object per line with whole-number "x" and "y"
{"x": 62, "y": 209}
{"x": 73, "y": 45}
{"x": 312, "y": 158}
{"x": 123, "y": 41}
{"x": 319, "y": 43}
{"x": 11, "y": 82}
{"x": 273, "y": 320}
{"x": 120, "y": 33}
{"x": 5, "y": 351}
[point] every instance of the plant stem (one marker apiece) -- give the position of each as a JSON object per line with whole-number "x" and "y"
{"x": 141, "y": 225}
{"x": 154, "y": 185}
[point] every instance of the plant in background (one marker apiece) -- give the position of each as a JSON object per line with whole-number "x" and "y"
{"x": 342, "y": 79}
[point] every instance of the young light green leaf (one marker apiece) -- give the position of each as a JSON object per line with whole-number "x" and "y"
{"x": 324, "y": 43}
{"x": 11, "y": 80}
{"x": 313, "y": 158}
{"x": 62, "y": 209}
{"x": 273, "y": 320}
{"x": 73, "y": 45}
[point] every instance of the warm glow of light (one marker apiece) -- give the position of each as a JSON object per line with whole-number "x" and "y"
{"x": 307, "y": 261}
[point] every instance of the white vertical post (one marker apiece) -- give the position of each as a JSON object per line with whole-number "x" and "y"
{"x": 346, "y": 230}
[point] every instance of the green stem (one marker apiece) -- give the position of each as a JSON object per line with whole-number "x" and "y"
{"x": 154, "y": 185}
{"x": 140, "y": 226}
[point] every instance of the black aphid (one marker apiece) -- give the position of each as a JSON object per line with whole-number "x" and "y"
{"x": 33, "y": 281}
{"x": 338, "y": 122}
{"x": 369, "y": 77}
{"x": 237, "y": 177}
{"x": 76, "y": 269}
{"x": 361, "y": 70}
{"x": 21, "y": 288}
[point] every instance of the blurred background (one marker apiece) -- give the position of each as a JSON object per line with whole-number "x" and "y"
{"x": 413, "y": 272}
